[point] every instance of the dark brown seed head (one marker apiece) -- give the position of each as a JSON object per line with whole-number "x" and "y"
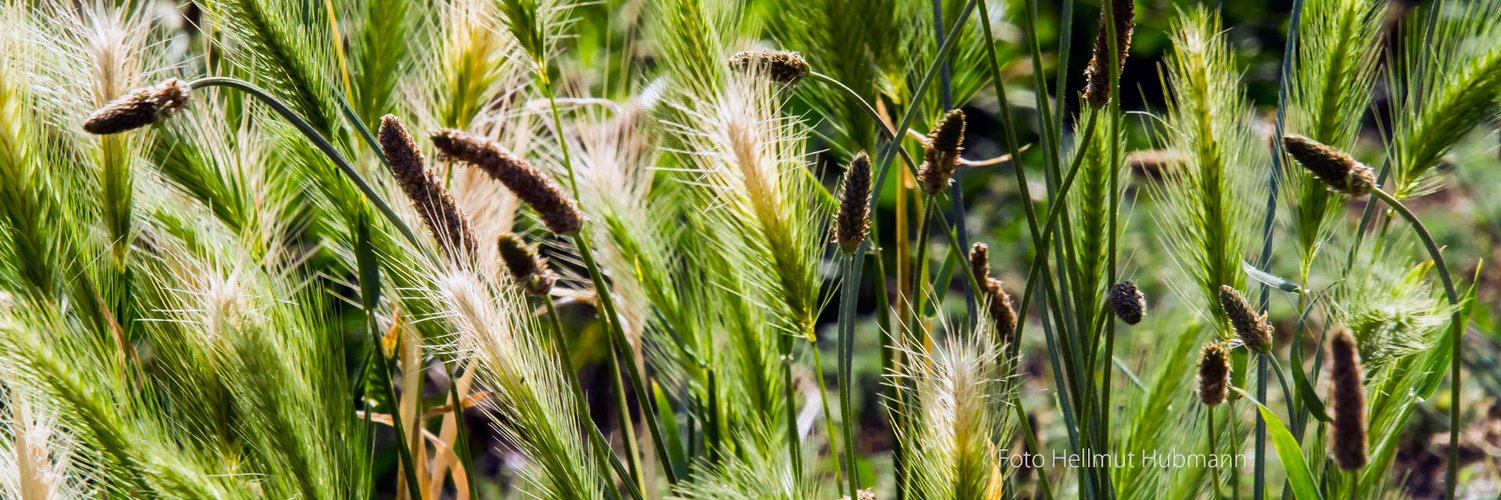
{"x": 1214, "y": 374}
{"x": 139, "y": 108}
{"x": 1127, "y": 302}
{"x": 529, "y": 269}
{"x": 1001, "y": 312}
{"x": 553, "y": 206}
{"x": 979, "y": 264}
{"x": 438, "y": 210}
{"x": 1096, "y": 79}
{"x": 1250, "y": 327}
{"x": 779, "y": 65}
{"x": 853, "y": 222}
{"x": 1337, "y": 170}
{"x": 1347, "y": 397}
{"x": 941, "y": 155}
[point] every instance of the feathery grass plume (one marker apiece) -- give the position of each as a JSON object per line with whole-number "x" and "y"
{"x": 438, "y": 209}
{"x": 1347, "y": 443}
{"x": 139, "y": 108}
{"x": 1452, "y": 85}
{"x": 1333, "y": 77}
{"x": 1250, "y": 328}
{"x": 941, "y": 153}
{"x": 1389, "y": 308}
{"x": 383, "y": 46}
{"x": 1171, "y": 382}
{"x": 979, "y": 263}
{"x": 1212, "y": 199}
{"x": 288, "y": 46}
{"x": 531, "y": 404}
{"x": 955, "y": 397}
{"x": 1214, "y": 374}
{"x": 1096, "y": 77}
{"x": 1337, "y": 170}
{"x": 781, "y": 66}
{"x": 527, "y": 268}
{"x": 1127, "y": 302}
{"x": 1090, "y": 205}
{"x": 852, "y": 222}
{"x": 529, "y": 184}
{"x": 35, "y": 453}
{"x": 866, "y": 56}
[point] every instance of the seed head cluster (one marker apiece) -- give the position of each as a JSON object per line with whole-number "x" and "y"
{"x": 553, "y": 206}
{"x": 941, "y": 154}
{"x": 1002, "y": 315}
{"x": 139, "y": 108}
{"x": 435, "y": 205}
{"x": 1337, "y": 170}
{"x": 1214, "y": 374}
{"x": 1250, "y": 327}
{"x": 529, "y": 269}
{"x": 852, "y": 223}
{"x": 1096, "y": 78}
{"x": 1347, "y": 397}
{"x": 779, "y": 65}
{"x": 1127, "y": 302}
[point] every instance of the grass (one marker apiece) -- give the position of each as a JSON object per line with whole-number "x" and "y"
{"x": 237, "y": 298}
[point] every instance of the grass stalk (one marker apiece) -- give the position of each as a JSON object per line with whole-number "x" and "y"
{"x": 849, "y": 294}
{"x": 1456, "y": 329}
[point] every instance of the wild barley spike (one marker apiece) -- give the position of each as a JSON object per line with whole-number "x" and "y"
{"x": 1347, "y": 397}
{"x": 438, "y": 210}
{"x": 941, "y": 154}
{"x": 553, "y": 206}
{"x": 779, "y": 65}
{"x": 1251, "y": 328}
{"x": 528, "y": 268}
{"x": 1096, "y": 80}
{"x": 1214, "y": 374}
{"x": 139, "y": 108}
{"x": 1127, "y": 302}
{"x": 1337, "y": 170}
{"x": 853, "y": 222}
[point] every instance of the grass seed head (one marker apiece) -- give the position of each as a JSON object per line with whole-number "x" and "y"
{"x": 1214, "y": 374}
{"x": 782, "y": 66}
{"x": 1250, "y": 327}
{"x": 1096, "y": 79}
{"x": 1127, "y": 302}
{"x": 1347, "y": 397}
{"x": 528, "y": 268}
{"x": 979, "y": 264}
{"x": 1001, "y": 311}
{"x": 1337, "y": 170}
{"x": 139, "y": 108}
{"x": 556, "y": 209}
{"x": 435, "y": 205}
{"x": 941, "y": 155}
{"x": 853, "y": 222}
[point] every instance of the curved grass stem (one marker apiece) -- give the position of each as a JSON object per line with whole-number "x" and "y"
{"x": 1456, "y": 330}
{"x": 319, "y": 141}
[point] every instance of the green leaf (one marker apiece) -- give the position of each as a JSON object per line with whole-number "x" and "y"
{"x": 1306, "y": 393}
{"x": 670, "y": 429}
{"x": 1288, "y": 450}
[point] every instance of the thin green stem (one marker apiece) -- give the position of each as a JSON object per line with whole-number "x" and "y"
{"x": 596, "y": 438}
{"x": 823, "y": 397}
{"x": 607, "y": 304}
{"x": 1456, "y": 329}
{"x": 849, "y": 295}
{"x": 1213, "y": 449}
